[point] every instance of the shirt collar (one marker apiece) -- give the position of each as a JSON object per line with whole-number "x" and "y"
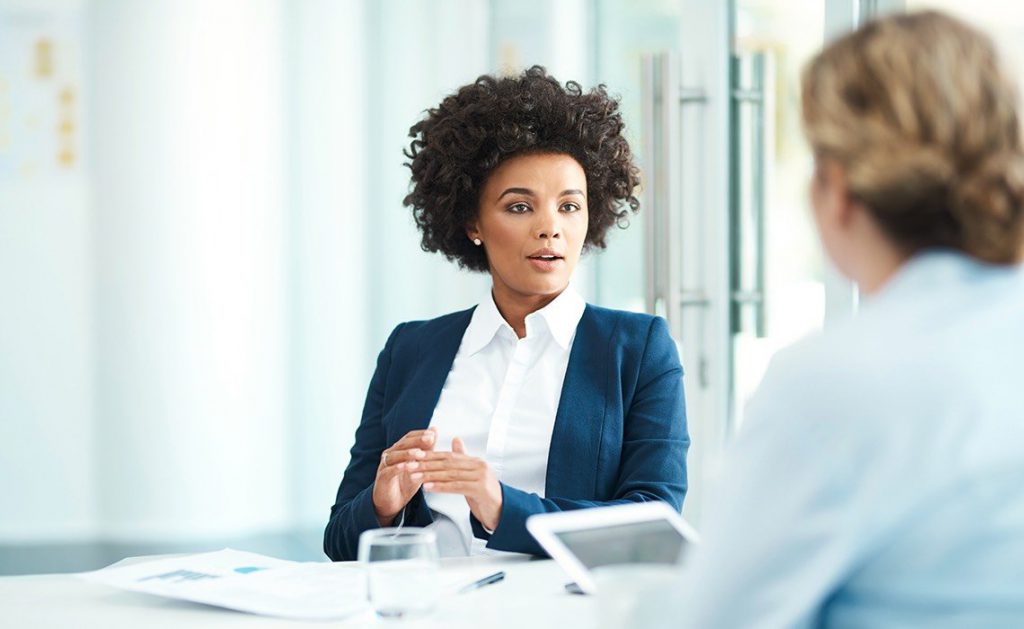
{"x": 928, "y": 270}
{"x": 486, "y": 323}
{"x": 560, "y": 318}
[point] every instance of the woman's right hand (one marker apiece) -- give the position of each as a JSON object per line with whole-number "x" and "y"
{"x": 393, "y": 488}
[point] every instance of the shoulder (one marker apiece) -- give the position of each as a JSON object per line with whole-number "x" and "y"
{"x": 884, "y": 352}
{"x": 410, "y": 334}
{"x": 627, "y": 325}
{"x": 875, "y": 374}
{"x": 635, "y": 336}
{"x": 826, "y": 367}
{"x": 437, "y": 324}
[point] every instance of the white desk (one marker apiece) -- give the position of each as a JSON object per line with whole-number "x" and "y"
{"x": 530, "y": 597}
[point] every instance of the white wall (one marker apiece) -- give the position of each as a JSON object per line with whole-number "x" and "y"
{"x": 190, "y": 237}
{"x": 46, "y": 362}
{"x": 329, "y": 252}
{"x": 47, "y": 479}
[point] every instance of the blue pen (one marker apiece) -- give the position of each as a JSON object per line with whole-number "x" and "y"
{"x": 489, "y": 579}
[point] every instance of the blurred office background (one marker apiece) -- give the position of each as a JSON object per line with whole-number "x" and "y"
{"x": 203, "y": 247}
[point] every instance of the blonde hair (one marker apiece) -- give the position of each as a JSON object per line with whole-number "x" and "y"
{"x": 920, "y": 115}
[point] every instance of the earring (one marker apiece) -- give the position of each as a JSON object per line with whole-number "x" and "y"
{"x": 477, "y": 242}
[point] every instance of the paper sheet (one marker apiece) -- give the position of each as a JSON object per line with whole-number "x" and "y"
{"x": 258, "y": 584}
{"x": 248, "y": 582}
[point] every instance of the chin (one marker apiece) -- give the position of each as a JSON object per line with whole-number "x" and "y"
{"x": 543, "y": 286}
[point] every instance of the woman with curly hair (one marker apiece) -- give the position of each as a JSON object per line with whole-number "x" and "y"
{"x": 533, "y": 401}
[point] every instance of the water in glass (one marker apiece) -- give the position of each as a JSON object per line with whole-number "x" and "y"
{"x": 402, "y": 570}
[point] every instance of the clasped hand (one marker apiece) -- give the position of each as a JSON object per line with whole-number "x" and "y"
{"x": 413, "y": 463}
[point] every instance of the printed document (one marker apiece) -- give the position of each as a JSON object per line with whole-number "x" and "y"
{"x": 248, "y": 582}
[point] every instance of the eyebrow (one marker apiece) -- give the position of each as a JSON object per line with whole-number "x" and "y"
{"x": 531, "y": 193}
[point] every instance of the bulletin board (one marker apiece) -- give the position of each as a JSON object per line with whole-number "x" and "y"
{"x": 41, "y": 93}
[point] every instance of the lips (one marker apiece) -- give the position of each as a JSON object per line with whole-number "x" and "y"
{"x": 545, "y": 260}
{"x": 546, "y": 255}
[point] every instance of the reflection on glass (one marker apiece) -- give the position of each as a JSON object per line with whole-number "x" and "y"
{"x": 785, "y": 34}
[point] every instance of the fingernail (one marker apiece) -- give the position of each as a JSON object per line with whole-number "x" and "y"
{"x": 417, "y": 476}
{"x": 428, "y": 437}
{"x": 411, "y": 465}
{"x": 428, "y": 485}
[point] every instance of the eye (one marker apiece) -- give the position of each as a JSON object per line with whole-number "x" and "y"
{"x": 518, "y": 208}
{"x": 570, "y": 207}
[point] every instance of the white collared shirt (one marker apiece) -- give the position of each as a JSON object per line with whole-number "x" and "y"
{"x": 501, "y": 397}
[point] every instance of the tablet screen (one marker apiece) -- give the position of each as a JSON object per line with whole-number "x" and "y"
{"x": 656, "y": 541}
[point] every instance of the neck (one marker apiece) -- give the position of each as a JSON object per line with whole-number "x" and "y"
{"x": 515, "y": 306}
{"x": 879, "y": 264}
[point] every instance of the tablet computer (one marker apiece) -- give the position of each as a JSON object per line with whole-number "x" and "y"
{"x": 584, "y": 539}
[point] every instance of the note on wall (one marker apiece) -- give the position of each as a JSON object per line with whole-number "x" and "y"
{"x": 41, "y": 100}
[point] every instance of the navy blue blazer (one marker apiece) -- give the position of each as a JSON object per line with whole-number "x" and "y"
{"x": 619, "y": 436}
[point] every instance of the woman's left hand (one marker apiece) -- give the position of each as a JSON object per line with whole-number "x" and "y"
{"x": 456, "y": 472}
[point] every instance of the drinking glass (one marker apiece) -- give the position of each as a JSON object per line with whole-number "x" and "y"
{"x": 402, "y": 570}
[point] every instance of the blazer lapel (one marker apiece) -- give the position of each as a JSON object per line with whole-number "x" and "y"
{"x": 434, "y": 358}
{"x": 580, "y": 416}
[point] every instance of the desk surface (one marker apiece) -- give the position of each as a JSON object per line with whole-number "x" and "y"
{"x": 531, "y": 596}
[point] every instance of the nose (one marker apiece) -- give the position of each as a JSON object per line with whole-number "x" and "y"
{"x": 547, "y": 226}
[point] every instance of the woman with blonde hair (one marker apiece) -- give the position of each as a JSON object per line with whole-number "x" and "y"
{"x": 879, "y": 478}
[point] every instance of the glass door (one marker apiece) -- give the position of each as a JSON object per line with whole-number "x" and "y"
{"x": 687, "y": 228}
{"x": 731, "y": 258}
{"x": 778, "y": 273}
{"x": 625, "y": 31}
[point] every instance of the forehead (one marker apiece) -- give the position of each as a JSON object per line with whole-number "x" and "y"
{"x": 541, "y": 172}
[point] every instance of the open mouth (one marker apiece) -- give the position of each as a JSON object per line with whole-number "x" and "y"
{"x": 545, "y": 255}
{"x": 545, "y": 260}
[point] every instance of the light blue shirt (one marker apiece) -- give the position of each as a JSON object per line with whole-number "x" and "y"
{"x": 879, "y": 478}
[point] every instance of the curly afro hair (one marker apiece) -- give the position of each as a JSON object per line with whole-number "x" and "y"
{"x": 458, "y": 144}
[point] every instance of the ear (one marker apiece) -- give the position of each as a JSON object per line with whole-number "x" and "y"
{"x": 833, "y": 201}
{"x": 848, "y": 208}
{"x": 473, "y": 230}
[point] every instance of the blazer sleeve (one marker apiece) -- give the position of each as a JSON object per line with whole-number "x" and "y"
{"x": 353, "y": 511}
{"x": 653, "y": 459}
